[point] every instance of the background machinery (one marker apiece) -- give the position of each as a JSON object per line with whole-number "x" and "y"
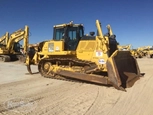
{"x": 150, "y": 52}
{"x": 11, "y": 51}
{"x": 124, "y": 47}
{"x": 145, "y": 50}
{"x": 96, "y": 59}
{"x": 141, "y": 52}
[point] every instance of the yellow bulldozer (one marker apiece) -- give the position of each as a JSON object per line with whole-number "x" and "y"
{"x": 11, "y": 50}
{"x": 73, "y": 55}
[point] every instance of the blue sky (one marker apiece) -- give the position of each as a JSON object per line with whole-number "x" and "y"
{"x": 131, "y": 20}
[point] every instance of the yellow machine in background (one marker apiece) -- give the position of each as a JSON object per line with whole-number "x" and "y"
{"x": 141, "y": 52}
{"x": 134, "y": 53}
{"x": 4, "y": 39}
{"x": 91, "y": 58}
{"x": 127, "y": 48}
{"x": 145, "y": 50}
{"x": 124, "y": 47}
{"x": 150, "y": 52}
{"x": 11, "y": 51}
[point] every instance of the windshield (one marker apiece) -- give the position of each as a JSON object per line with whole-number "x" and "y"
{"x": 59, "y": 33}
{"x": 72, "y": 33}
{"x": 16, "y": 47}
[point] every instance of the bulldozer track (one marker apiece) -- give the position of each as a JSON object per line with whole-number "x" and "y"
{"x": 5, "y": 58}
{"x": 59, "y": 77}
{"x": 13, "y": 57}
{"x": 66, "y": 61}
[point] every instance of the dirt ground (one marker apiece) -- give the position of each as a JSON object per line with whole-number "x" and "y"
{"x": 24, "y": 94}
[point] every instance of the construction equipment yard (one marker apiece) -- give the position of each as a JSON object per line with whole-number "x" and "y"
{"x": 22, "y": 93}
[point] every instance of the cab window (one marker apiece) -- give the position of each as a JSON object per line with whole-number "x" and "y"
{"x": 72, "y": 34}
{"x": 59, "y": 33}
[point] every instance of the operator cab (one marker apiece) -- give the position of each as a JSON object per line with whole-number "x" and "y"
{"x": 17, "y": 47}
{"x": 70, "y": 34}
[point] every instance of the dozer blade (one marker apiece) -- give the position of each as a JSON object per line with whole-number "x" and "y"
{"x": 123, "y": 70}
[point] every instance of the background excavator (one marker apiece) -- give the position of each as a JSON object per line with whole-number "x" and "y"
{"x": 11, "y": 51}
{"x": 149, "y": 51}
{"x": 96, "y": 59}
{"x": 141, "y": 52}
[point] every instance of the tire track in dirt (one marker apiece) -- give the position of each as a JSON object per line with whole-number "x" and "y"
{"x": 106, "y": 99}
{"x": 41, "y": 91}
{"x": 69, "y": 102}
{"x": 138, "y": 100}
{"x": 26, "y": 91}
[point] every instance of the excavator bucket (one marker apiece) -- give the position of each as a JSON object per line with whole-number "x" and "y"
{"x": 123, "y": 70}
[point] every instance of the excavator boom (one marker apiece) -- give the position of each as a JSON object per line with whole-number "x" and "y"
{"x": 17, "y": 36}
{"x": 12, "y": 49}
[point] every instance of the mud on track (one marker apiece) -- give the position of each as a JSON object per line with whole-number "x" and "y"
{"x": 56, "y": 97}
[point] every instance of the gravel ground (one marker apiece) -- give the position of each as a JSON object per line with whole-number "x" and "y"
{"x": 21, "y": 93}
